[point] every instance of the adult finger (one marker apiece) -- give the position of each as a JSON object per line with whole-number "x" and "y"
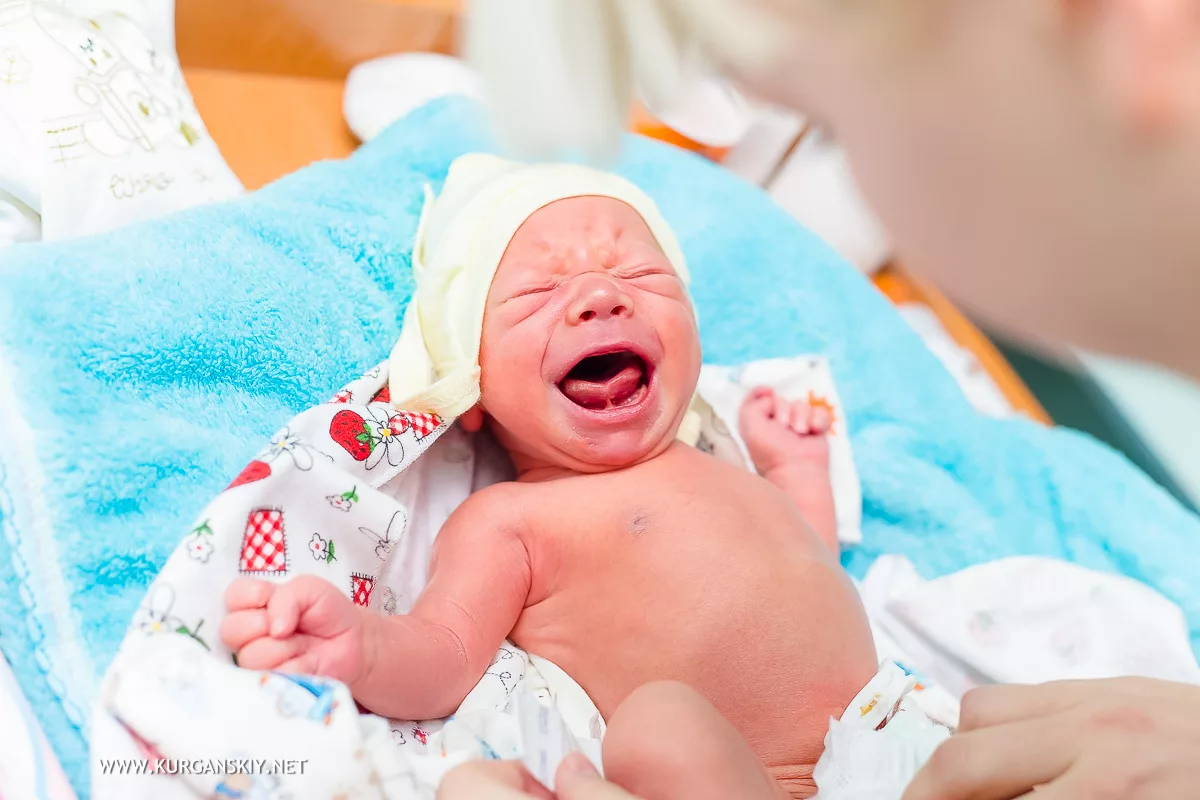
{"x": 1086, "y": 780}
{"x": 242, "y": 627}
{"x": 491, "y": 780}
{"x": 998, "y": 762}
{"x": 998, "y": 705}
{"x": 577, "y": 779}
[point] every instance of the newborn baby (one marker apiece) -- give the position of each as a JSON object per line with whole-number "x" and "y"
{"x": 619, "y": 553}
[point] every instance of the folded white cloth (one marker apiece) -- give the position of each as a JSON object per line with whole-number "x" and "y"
{"x": 1027, "y": 620}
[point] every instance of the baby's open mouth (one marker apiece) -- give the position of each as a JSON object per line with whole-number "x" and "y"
{"x": 607, "y": 381}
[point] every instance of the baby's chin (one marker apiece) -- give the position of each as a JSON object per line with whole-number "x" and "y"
{"x": 593, "y": 452}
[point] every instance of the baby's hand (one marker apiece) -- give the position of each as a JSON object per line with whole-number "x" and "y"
{"x": 304, "y": 626}
{"x": 781, "y": 434}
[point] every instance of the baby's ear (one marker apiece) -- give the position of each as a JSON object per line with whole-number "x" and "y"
{"x": 472, "y": 419}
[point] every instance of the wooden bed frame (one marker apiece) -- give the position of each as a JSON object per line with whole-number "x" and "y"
{"x": 267, "y": 76}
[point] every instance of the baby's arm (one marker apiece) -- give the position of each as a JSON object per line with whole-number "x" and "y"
{"x": 421, "y": 665}
{"x": 787, "y": 441}
{"x": 415, "y": 666}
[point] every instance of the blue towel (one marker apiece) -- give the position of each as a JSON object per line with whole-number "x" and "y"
{"x": 149, "y": 364}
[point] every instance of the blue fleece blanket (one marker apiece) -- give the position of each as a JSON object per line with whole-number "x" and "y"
{"x": 140, "y": 370}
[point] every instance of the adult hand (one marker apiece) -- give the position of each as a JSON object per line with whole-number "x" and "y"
{"x": 508, "y": 780}
{"x": 1130, "y": 737}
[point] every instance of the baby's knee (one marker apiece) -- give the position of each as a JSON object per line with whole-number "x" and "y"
{"x": 649, "y": 733}
{"x": 667, "y": 741}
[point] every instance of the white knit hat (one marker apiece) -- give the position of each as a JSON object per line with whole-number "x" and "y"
{"x": 461, "y": 238}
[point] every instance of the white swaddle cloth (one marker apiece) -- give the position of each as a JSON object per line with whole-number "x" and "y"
{"x": 882, "y": 739}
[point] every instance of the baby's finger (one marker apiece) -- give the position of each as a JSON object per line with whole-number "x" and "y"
{"x": 242, "y": 627}
{"x": 800, "y": 418}
{"x": 284, "y": 610}
{"x": 761, "y": 401}
{"x": 761, "y": 392}
{"x": 307, "y": 598}
{"x": 248, "y": 593}
{"x": 268, "y": 653}
{"x": 303, "y": 664}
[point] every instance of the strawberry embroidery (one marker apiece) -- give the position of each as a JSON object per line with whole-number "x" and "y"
{"x": 344, "y": 501}
{"x": 351, "y": 431}
{"x": 373, "y": 438}
{"x": 255, "y": 471}
{"x": 344, "y": 396}
{"x": 419, "y": 734}
{"x": 321, "y": 549}
{"x": 384, "y": 395}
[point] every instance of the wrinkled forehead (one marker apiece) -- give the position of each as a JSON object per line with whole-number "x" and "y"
{"x": 590, "y": 227}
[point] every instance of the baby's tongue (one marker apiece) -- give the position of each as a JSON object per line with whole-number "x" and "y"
{"x": 610, "y": 388}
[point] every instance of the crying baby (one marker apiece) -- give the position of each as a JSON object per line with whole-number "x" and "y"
{"x": 552, "y": 308}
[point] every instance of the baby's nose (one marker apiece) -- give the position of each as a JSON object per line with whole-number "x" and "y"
{"x": 598, "y": 297}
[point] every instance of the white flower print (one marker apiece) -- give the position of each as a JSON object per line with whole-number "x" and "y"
{"x": 200, "y": 548}
{"x": 199, "y": 542}
{"x": 318, "y": 547}
{"x": 385, "y": 428}
{"x": 284, "y": 441}
{"x": 344, "y": 501}
{"x": 154, "y": 615}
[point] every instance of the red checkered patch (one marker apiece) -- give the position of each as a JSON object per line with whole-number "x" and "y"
{"x": 264, "y": 546}
{"x": 422, "y": 424}
{"x": 360, "y": 588}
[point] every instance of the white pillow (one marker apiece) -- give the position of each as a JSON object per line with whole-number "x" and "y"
{"x": 384, "y": 90}
{"x": 97, "y": 127}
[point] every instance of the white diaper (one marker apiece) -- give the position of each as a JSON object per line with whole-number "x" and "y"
{"x": 880, "y": 742}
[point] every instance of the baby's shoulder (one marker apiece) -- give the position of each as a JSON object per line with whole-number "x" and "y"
{"x": 499, "y": 500}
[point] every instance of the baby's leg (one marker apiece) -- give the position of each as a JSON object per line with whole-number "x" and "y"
{"x": 666, "y": 742}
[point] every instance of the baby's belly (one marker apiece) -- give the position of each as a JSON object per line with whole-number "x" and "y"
{"x": 764, "y": 648}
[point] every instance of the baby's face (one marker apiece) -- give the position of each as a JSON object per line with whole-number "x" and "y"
{"x": 590, "y": 352}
